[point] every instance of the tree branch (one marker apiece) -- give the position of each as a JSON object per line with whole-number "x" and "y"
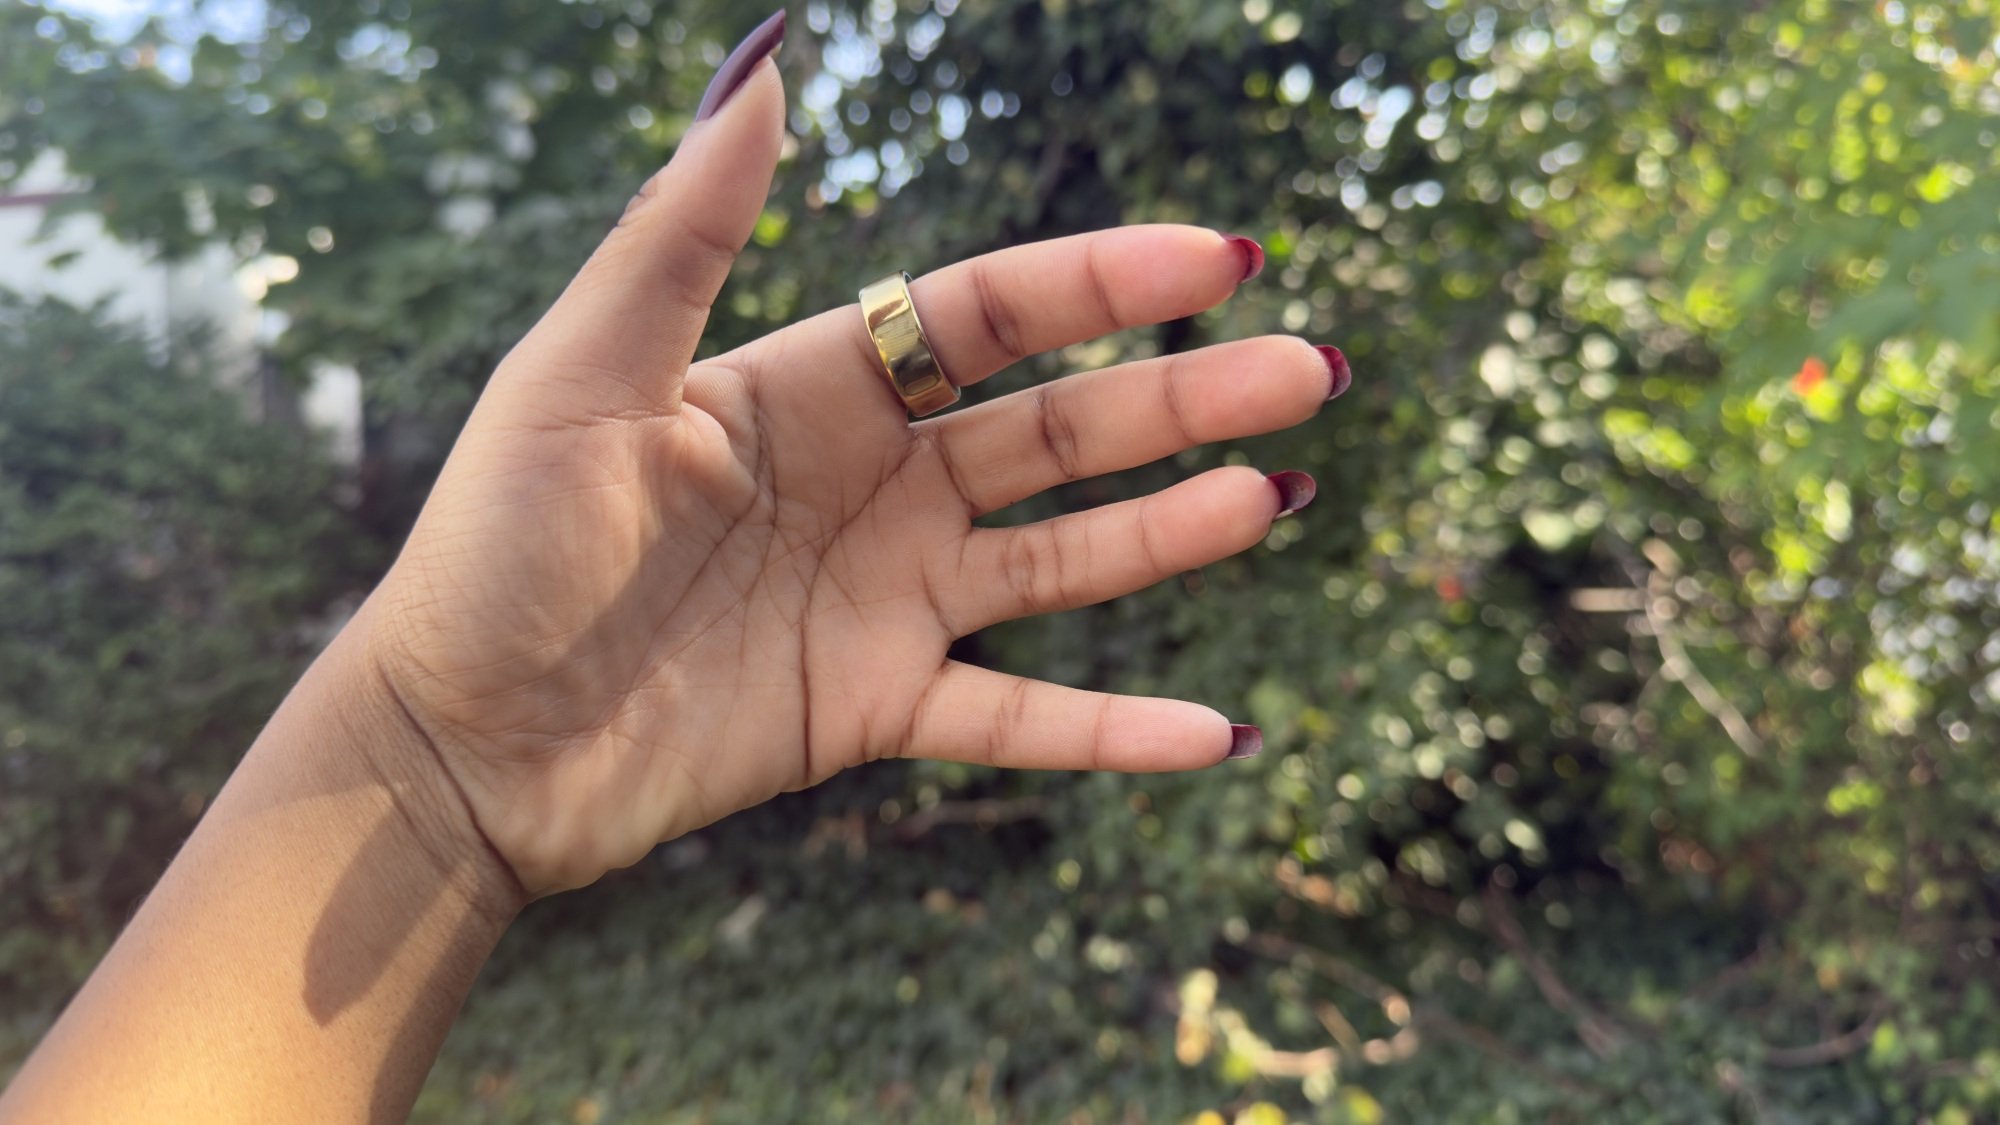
{"x": 1409, "y": 1016}
{"x": 1828, "y": 1050}
{"x": 1678, "y": 666}
{"x": 1604, "y": 1037}
{"x": 1728, "y": 977}
{"x": 985, "y": 814}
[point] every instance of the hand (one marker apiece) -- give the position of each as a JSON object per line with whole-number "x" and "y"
{"x": 648, "y": 593}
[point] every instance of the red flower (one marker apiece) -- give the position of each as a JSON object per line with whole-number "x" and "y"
{"x": 1811, "y": 374}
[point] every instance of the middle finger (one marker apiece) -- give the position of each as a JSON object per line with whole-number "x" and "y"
{"x": 1003, "y": 451}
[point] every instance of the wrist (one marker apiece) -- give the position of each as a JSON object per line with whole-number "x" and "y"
{"x": 335, "y": 904}
{"x": 401, "y": 760}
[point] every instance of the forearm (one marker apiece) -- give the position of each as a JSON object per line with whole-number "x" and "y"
{"x": 306, "y": 952}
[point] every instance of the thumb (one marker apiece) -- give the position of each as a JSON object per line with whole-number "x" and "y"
{"x": 629, "y": 322}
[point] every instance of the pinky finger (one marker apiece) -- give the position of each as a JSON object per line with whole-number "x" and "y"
{"x": 992, "y": 719}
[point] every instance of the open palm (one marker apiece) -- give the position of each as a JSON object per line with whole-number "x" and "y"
{"x": 647, "y": 593}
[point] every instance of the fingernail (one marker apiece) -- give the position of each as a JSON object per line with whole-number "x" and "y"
{"x": 1295, "y": 491}
{"x": 735, "y": 69}
{"x": 1244, "y": 741}
{"x": 1336, "y": 366}
{"x": 1253, "y": 254}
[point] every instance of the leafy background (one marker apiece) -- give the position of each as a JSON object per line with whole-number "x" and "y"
{"x": 1627, "y": 690}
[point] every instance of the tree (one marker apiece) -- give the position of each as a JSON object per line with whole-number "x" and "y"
{"x": 166, "y": 567}
{"x": 1625, "y": 689}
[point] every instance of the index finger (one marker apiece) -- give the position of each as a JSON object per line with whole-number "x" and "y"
{"x": 985, "y": 313}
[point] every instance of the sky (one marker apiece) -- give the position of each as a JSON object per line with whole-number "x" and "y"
{"x": 117, "y": 19}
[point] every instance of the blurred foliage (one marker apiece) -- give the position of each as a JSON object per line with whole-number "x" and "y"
{"x": 1626, "y": 690}
{"x": 160, "y": 557}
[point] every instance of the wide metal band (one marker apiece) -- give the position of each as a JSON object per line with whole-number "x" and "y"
{"x": 906, "y": 353}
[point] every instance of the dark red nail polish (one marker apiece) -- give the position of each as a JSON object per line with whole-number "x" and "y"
{"x": 1253, "y": 254}
{"x": 1244, "y": 741}
{"x": 1336, "y": 366}
{"x": 1295, "y": 491}
{"x": 735, "y": 69}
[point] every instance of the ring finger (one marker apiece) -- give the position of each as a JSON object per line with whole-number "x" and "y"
{"x": 1001, "y": 573}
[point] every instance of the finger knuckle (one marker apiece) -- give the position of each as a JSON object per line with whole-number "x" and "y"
{"x": 1174, "y": 400}
{"x": 1100, "y": 290}
{"x": 1027, "y": 563}
{"x": 641, "y": 200}
{"x": 1148, "y": 541}
{"x": 1002, "y": 324}
{"x": 1057, "y": 431}
{"x": 1013, "y": 723}
{"x": 710, "y": 248}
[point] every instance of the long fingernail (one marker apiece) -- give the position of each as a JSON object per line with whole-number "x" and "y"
{"x": 1244, "y": 741}
{"x": 1253, "y": 254}
{"x": 1336, "y": 366}
{"x": 1295, "y": 491}
{"x": 735, "y": 69}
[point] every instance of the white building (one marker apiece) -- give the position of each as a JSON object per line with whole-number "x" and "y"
{"x": 75, "y": 259}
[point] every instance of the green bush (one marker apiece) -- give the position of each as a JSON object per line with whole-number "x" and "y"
{"x": 164, "y": 562}
{"x": 1628, "y": 688}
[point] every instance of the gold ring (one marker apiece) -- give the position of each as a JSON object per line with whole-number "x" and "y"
{"x": 907, "y": 358}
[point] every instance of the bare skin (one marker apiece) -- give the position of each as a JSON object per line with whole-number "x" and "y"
{"x": 646, "y": 594}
